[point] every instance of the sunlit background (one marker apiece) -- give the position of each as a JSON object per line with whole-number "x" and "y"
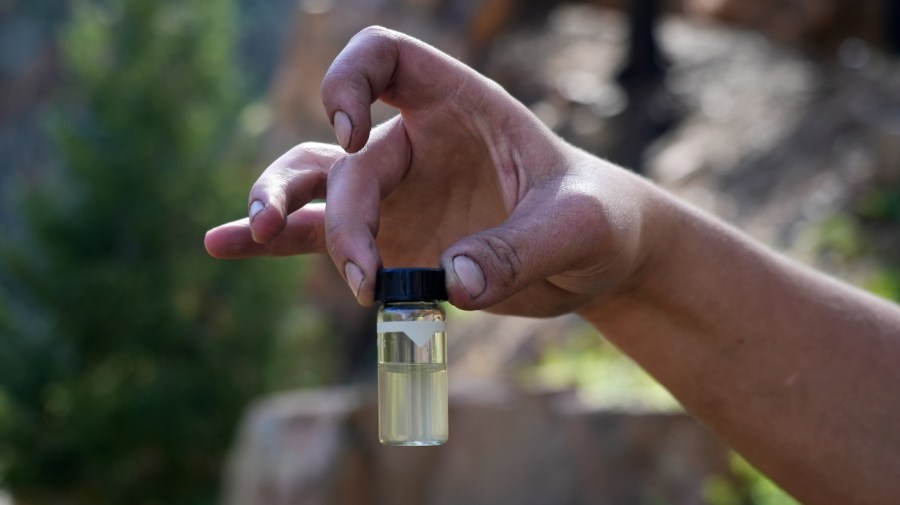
{"x": 136, "y": 369}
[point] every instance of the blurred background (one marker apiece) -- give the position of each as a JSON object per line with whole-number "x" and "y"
{"x": 135, "y": 369}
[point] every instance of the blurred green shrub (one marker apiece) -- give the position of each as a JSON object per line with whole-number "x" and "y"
{"x": 745, "y": 486}
{"x": 127, "y": 354}
{"x": 866, "y": 233}
{"x": 880, "y": 204}
{"x": 602, "y": 375}
{"x": 879, "y": 212}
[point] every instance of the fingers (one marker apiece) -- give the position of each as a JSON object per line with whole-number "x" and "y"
{"x": 345, "y": 228}
{"x": 356, "y": 185}
{"x": 289, "y": 183}
{"x": 303, "y": 233}
{"x": 401, "y": 71}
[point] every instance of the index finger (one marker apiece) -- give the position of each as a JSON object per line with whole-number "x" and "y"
{"x": 356, "y": 185}
{"x": 382, "y": 64}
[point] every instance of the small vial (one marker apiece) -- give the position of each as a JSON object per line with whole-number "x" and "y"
{"x": 412, "y": 357}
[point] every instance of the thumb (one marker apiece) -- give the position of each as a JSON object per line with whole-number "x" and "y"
{"x": 488, "y": 267}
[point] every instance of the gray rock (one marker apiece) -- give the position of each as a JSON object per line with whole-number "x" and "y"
{"x": 318, "y": 447}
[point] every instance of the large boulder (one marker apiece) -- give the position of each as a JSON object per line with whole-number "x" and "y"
{"x": 506, "y": 446}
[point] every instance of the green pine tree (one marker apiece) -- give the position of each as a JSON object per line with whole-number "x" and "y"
{"x": 127, "y": 353}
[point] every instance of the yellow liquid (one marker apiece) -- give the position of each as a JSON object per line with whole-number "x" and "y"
{"x": 412, "y": 403}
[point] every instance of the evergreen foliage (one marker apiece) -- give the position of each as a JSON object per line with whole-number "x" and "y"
{"x": 127, "y": 353}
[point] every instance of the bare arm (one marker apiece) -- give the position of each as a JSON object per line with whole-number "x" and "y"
{"x": 794, "y": 370}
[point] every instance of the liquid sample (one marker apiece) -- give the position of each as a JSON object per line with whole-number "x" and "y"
{"x": 412, "y": 403}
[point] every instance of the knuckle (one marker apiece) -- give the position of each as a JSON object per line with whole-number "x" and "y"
{"x": 328, "y": 89}
{"x": 336, "y": 236}
{"x": 337, "y": 172}
{"x": 342, "y": 236}
{"x": 303, "y": 147}
{"x": 346, "y": 87}
{"x": 342, "y": 81}
{"x": 504, "y": 260}
{"x": 373, "y": 31}
{"x": 303, "y": 153}
{"x": 377, "y": 34}
{"x": 338, "y": 75}
{"x": 315, "y": 154}
{"x": 308, "y": 148}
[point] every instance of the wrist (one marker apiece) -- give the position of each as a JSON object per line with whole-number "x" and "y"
{"x": 661, "y": 222}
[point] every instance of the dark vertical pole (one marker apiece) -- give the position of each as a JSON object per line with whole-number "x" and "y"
{"x": 892, "y": 25}
{"x": 652, "y": 110}
{"x": 644, "y": 62}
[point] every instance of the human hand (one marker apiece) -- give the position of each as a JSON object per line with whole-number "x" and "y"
{"x": 464, "y": 176}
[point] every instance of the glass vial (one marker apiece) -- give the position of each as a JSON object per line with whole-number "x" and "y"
{"x": 412, "y": 357}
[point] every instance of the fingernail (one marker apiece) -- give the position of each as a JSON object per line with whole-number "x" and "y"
{"x": 469, "y": 275}
{"x": 255, "y": 208}
{"x": 354, "y": 277}
{"x": 342, "y": 128}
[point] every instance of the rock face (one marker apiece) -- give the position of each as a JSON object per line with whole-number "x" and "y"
{"x": 321, "y": 447}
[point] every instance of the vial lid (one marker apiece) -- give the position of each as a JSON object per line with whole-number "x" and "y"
{"x": 410, "y": 285}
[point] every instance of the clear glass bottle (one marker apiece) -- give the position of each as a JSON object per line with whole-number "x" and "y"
{"x": 412, "y": 357}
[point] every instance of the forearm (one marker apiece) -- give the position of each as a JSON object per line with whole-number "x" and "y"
{"x": 797, "y": 372}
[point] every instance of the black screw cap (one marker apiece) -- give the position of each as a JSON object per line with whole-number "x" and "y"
{"x": 410, "y": 285}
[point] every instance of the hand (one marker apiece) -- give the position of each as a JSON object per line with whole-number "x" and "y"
{"x": 465, "y": 177}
